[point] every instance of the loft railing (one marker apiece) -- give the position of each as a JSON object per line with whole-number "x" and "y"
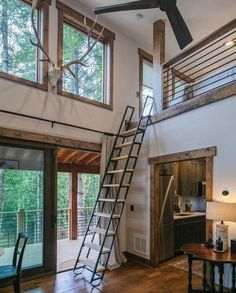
{"x": 202, "y": 69}
{"x": 31, "y": 221}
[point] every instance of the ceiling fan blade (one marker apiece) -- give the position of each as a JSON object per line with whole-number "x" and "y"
{"x": 135, "y": 5}
{"x": 179, "y": 27}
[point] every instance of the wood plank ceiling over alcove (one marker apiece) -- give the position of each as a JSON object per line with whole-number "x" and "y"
{"x": 84, "y": 162}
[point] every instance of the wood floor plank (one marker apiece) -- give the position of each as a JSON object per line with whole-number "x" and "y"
{"x": 129, "y": 278}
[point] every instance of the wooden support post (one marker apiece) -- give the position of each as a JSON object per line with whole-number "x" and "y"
{"x": 21, "y": 221}
{"x": 158, "y": 60}
{"x": 73, "y": 202}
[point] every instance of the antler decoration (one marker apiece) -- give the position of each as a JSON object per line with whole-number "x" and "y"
{"x": 56, "y": 71}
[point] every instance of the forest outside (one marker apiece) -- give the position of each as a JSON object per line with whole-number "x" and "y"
{"x": 21, "y": 191}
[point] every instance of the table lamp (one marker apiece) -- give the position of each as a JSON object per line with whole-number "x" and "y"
{"x": 221, "y": 211}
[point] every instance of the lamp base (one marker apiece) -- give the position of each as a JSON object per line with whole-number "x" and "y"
{"x": 222, "y": 232}
{"x": 219, "y": 251}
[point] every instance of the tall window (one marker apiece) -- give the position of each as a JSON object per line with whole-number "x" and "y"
{"x": 145, "y": 79}
{"x": 94, "y": 81}
{"x": 18, "y": 57}
{"x": 90, "y": 79}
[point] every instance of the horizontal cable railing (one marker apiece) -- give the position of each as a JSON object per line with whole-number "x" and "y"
{"x": 63, "y": 223}
{"x": 205, "y": 67}
{"x": 31, "y": 221}
{"x": 84, "y": 215}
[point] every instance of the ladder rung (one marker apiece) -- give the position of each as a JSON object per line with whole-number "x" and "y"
{"x": 90, "y": 264}
{"x": 120, "y": 171}
{"x": 96, "y": 247}
{"x": 131, "y": 131}
{"x": 111, "y": 200}
{"x": 123, "y": 145}
{"x": 114, "y": 185}
{"x": 123, "y": 157}
{"x": 101, "y": 231}
{"x": 105, "y": 215}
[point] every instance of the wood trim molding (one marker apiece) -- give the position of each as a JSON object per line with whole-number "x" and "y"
{"x": 138, "y": 259}
{"x": 208, "y": 154}
{"x": 209, "y": 193}
{"x": 217, "y": 34}
{"x": 44, "y": 11}
{"x": 75, "y": 15}
{"x": 219, "y": 94}
{"x": 76, "y": 19}
{"x": 183, "y": 156}
{"x": 145, "y": 55}
{"x": 49, "y": 139}
{"x": 154, "y": 219}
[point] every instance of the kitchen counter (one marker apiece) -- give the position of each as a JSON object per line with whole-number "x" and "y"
{"x": 186, "y": 215}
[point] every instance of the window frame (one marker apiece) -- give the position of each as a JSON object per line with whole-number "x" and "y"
{"x": 75, "y": 19}
{"x": 43, "y": 24}
{"x": 143, "y": 56}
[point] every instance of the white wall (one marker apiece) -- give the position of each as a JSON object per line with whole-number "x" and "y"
{"x": 25, "y": 99}
{"x": 212, "y": 125}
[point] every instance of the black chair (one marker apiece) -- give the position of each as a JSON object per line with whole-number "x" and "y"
{"x": 12, "y": 273}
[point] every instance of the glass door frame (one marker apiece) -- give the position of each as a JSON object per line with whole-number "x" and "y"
{"x": 49, "y": 210}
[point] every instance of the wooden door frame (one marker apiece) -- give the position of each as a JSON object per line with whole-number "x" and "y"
{"x": 155, "y": 162}
{"x": 49, "y": 145}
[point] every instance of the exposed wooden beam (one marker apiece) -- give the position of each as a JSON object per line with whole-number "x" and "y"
{"x": 81, "y": 159}
{"x": 93, "y": 159}
{"x": 70, "y": 155}
{"x": 183, "y": 156}
{"x": 80, "y": 168}
{"x": 158, "y": 60}
{"x": 62, "y": 154}
{"x": 51, "y": 140}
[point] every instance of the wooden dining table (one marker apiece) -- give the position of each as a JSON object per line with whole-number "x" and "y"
{"x": 197, "y": 251}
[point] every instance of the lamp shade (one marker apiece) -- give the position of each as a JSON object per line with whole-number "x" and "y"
{"x": 221, "y": 211}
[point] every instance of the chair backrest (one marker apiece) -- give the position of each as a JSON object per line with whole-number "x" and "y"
{"x": 19, "y": 251}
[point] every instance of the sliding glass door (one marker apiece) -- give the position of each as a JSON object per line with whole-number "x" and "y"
{"x": 24, "y": 195}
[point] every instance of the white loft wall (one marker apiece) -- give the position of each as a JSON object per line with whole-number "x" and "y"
{"x": 24, "y": 99}
{"x": 212, "y": 125}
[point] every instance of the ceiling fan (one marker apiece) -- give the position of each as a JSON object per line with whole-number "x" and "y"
{"x": 179, "y": 27}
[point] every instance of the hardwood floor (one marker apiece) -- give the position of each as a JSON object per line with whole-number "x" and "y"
{"x": 130, "y": 278}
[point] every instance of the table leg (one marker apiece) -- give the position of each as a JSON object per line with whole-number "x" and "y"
{"x": 190, "y": 260}
{"x": 204, "y": 281}
{"x": 221, "y": 273}
{"x": 212, "y": 277}
{"x": 233, "y": 289}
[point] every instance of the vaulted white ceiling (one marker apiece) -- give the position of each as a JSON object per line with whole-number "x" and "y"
{"x": 201, "y": 16}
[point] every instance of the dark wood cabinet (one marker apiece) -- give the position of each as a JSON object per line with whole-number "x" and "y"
{"x": 190, "y": 174}
{"x": 189, "y": 230}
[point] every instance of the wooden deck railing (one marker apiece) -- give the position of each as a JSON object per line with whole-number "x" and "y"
{"x": 203, "y": 69}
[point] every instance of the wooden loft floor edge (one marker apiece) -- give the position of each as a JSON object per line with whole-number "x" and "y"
{"x": 49, "y": 139}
